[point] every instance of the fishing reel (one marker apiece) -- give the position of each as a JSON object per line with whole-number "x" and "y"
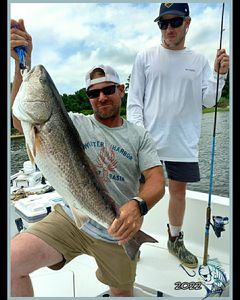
{"x": 218, "y": 224}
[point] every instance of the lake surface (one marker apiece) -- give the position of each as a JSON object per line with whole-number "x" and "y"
{"x": 221, "y": 155}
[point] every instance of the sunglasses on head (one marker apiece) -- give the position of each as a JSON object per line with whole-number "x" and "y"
{"x": 108, "y": 90}
{"x": 174, "y": 22}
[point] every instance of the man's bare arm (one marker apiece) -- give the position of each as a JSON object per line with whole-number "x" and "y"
{"x": 19, "y": 37}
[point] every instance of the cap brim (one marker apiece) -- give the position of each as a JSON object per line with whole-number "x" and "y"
{"x": 172, "y": 12}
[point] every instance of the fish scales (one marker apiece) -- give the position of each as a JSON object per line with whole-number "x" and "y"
{"x": 55, "y": 145}
{"x": 61, "y": 157}
{"x": 71, "y": 174}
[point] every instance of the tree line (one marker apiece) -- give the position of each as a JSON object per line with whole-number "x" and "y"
{"x": 78, "y": 102}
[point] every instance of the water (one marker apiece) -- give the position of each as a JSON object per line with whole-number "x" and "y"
{"x": 221, "y": 157}
{"x": 18, "y": 154}
{"x": 220, "y": 184}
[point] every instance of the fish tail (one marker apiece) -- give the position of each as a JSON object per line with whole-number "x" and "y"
{"x": 132, "y": 246}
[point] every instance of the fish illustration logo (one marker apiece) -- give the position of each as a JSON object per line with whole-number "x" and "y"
{"x": 213, "y": 278}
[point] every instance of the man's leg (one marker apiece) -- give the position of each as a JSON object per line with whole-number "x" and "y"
{"x": 176, "y": 209}
{"x": 29, "y": 253}
{"x": 177, "y": 191}
{"x": 115, "y": 269}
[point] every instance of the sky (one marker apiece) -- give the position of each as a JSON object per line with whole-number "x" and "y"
{"x": 71, "y": 38}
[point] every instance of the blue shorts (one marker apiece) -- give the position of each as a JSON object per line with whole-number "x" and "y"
{"x": 182, "y": 171}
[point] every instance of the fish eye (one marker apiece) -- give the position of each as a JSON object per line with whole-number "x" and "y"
{"x": 42, "y": 79}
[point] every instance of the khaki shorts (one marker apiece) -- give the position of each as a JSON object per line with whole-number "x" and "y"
{"x": 115, "y": 269}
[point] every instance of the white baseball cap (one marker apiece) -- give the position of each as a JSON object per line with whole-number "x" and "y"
{"x": 110, "y": 75}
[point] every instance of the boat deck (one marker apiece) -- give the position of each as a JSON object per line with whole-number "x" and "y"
{"x": 159, "y": 274}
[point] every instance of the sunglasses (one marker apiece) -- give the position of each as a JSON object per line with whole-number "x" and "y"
{"x": 108, "y": 90}
{"x": 174, "y": 22}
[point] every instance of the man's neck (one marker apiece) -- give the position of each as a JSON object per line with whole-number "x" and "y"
{"x": 173, "y": 46}
{"x": 115, "y": 121}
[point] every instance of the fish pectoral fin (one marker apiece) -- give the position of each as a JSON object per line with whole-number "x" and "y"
{"x": 30, "y": 154}
{"x": 35, "y": 143}
{"x": 79, "y": 218}
{"x": 36, "y": 140}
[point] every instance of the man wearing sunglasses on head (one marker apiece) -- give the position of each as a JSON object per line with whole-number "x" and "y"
{"x": 120, "y": 151}
{"x": 169, "y": 84}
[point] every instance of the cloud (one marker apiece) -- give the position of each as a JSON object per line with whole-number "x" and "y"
{"x": 70, "y": 38}
{"x": 204, "y": 35}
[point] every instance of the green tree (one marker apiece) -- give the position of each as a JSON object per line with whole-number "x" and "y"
{"x": 77, "y": 102}
{"x": 71, "y": 103}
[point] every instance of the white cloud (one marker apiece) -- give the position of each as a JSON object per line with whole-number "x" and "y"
{"x": 204, "y": 35}
{"x": 70, "y": 38}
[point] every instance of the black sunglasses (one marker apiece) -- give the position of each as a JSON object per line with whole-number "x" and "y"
{"x": 174, "y": 22}
{"x": 108, "y": 90}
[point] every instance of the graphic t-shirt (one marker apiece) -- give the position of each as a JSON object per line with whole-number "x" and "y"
{"x": 120, "y": 155}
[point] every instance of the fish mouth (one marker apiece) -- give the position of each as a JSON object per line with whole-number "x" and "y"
{"x": 27, "y": 72}
{"x": 38, "y": 69}
{"x": 37, "y": 101}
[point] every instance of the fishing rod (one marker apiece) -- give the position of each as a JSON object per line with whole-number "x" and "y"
{"x": 219, "y": 222}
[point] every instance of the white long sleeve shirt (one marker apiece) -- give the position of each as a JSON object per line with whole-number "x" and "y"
{"x": 166, "y": 93}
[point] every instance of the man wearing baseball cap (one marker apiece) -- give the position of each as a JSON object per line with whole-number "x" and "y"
{"x": 169, "y": 85}
{"x": 119, "y": 151}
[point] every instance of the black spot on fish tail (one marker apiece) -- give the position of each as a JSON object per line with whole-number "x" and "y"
{"x": 131, "y": 247}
